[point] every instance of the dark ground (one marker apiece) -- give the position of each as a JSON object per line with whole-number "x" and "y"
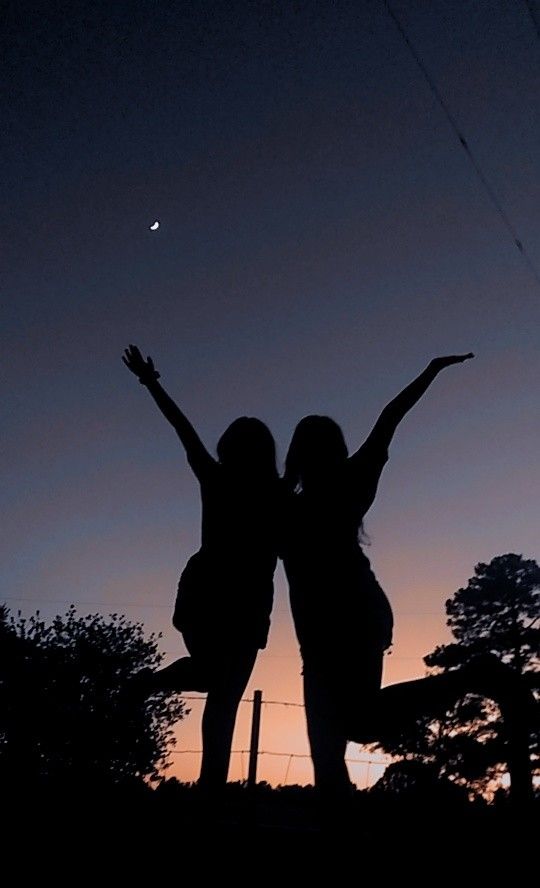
{"x": 133, "y": 835}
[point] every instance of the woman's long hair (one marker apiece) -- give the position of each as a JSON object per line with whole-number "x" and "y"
{"x": 317, "y": 445}
{"x": 317, "y": 450}
{"x": 247, "y": 445}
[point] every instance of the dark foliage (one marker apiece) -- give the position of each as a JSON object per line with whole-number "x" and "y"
{"x": 498, "y": 611}
{"x": 68, "y": 712}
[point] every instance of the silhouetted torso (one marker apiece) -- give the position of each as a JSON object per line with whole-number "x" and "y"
{"x": 230, "y": 580}
{"x": 239, "y": 520}
{"x": 332, "y": 586}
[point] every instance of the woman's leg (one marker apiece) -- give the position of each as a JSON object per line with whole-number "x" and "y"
{"x": 403, "y": 703}
{"x": 400, "y": 705}
{"x": 327, "y": 738}
{"x": 230, "y": 677}
{"x": 185, "y": 674}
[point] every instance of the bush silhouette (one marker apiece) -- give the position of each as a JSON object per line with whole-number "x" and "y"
{"x": 67, "y": 713}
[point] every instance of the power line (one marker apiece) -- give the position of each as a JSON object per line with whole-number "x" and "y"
{"x": 488, "y": 188}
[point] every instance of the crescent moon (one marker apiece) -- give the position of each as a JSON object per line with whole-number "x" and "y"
{"x": 154, "y": 226}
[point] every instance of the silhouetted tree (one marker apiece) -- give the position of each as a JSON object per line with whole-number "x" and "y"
{"x": 498, "y": 611}
{"x": 419, "y": 781}
{"x": 67, "y": 709}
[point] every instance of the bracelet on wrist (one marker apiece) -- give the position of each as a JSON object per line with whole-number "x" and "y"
{"x": 150, "y": 376}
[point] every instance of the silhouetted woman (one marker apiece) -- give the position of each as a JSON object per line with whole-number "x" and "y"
{"x": 225, "y": 592}
{"x": 342, "y": 617}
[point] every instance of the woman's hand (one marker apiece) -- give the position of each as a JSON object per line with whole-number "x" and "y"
{"x": 198, "y": 457}
{"x": 441, "y": 363}
{"x": 143, "y": 370}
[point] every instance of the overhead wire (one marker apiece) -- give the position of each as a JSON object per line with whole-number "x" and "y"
{"x": 486, "y": 184}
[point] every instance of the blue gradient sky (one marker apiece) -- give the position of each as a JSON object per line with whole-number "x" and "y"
{"x": 322, "y": 236}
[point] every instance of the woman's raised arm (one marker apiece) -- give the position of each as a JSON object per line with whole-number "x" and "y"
{"x": 387, "y": 423}
{"x": 198, "y": 456}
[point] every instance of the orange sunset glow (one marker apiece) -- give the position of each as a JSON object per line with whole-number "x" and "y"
{"x": 278, "y": 675}
{"x": 292, "y": 215}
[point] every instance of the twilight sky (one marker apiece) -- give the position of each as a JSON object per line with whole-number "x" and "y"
{"x": 323, "y": 235}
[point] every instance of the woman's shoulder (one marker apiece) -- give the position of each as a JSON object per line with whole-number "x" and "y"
{"x": 369, "y": 456}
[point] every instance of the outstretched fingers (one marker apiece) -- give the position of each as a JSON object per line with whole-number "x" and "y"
{"x": 133, "y": 359}
{"x": 448, "y": 360}
{"x": 457, "y": 359}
